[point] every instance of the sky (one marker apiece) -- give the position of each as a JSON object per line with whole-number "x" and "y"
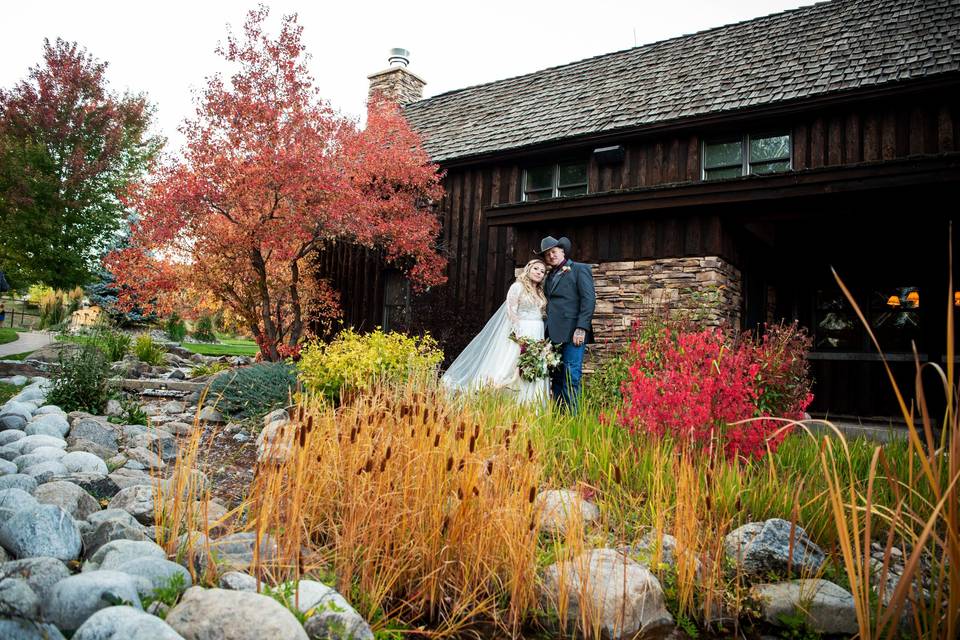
{"x": 166, "y": 49}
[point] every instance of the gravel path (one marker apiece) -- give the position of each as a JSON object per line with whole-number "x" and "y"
{"x": 27, "y": 341}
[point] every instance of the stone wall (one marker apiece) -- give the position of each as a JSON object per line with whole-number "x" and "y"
{"x": 396, "y": 84}
{"x": 628, "y": 291}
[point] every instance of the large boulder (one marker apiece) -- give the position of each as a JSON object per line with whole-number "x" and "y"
{"x": 158, "y": 442}
{"x": 17, "y": 599}
{"x": 102, "y": 433}
{"x": 762, "y": 547}
{"x": 28, "y": 443}
{"x": 83, "y": 462}
{"x": 608, "y": 591}
{"x": 41, "y": 530}
{"x": 18, "y": 481}
{"x": 126, "y": 478}
{"x": 137, "y": 501}
{"x": 98, "y": 485}
{"x": 20, "y": 629}
{"x": 235, "y": 551}
{"x": 145, "y": 458}
{"x": 556, "y": 508}
{"x": 55, "y": 421}
{"x": 69, "y": 497}
{"x": 102, "y": 531}
{"x": 7, "y": 468}
{"x": 40, "y": 573}
{"x": 825, "y": 607}
{"x": 12, "y": 501}
{"x": 118, "y": 552}
{"x": 45, "y": 471}
{"x": 331, "y": 616}
{"x": 124, "y": 623}
{"x": 78, "y": 597}
{"x": 218, "y": 614}
{"x": 39, "y": 455}
{"x": 11, "y": 435}
{"x": 238, "y": 581}
{"x": 155, "y": 573}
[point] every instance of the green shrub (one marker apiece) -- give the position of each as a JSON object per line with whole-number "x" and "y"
{"x": 250, "y": 392}
{"x": 201, "y": 370}
{"x": 175, "y": 328}
{"x": 356, "y": 361}
{"x": 204, "y": 330}
{"x": 602, "y": 388}
{"x": 149, "y": 351}
{"x": 80, "y": 384}
{"x": 114, "y": 344}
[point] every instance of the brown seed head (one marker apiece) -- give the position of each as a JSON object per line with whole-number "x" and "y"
{"x": 532, "y": 495}
{"x": 449, "y": 464}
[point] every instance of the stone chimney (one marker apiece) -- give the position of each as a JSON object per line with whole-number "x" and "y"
{"x": 396, "y": 82}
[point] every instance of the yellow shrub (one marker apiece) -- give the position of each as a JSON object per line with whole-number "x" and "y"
{"x": 356, "y": 361}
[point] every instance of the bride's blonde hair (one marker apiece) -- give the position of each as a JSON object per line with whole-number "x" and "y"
{"x": 535, "y": 289}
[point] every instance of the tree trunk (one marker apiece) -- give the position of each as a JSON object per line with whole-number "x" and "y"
{"x": 296, "y": 327}
{"x": 269, "y": 347}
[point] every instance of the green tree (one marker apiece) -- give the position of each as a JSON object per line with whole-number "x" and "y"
{"x": 68, "y": 150}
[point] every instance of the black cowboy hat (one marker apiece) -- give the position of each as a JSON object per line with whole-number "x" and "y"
{"x": 550, "y": 242}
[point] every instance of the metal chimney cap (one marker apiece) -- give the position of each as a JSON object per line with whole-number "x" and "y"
{"x": 399, "y": 57}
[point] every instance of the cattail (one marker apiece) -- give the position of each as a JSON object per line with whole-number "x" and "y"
{"x": 460, "y": 465}
{"x": 709, "y": 503}
{"x": 353, "y": 435}
{"x": 383, "y": 465}
{"x": 532, "y": 525}
{"x": 436, "y": 441}
{"x": 476, "y": 491}
{"x": 300, "y": 413}
{"x": 368, "y": 467}
{"x": 476, "y": 430}
{"x": 449, "y": 464}
{"x": 413, "y": 432}
{"x": 533, "y": 495}
{"x": 461, "y": 429}
{"x": 489, "y": 467}
{"x": 737, "y": 505}
{"x": 616, "y": 475}
{"x": 529, "y": 451}
{"x": 459, "y": 493}
{"x": 309, "y": 423}
{"x": 446, "y": 523}
{"x": 473, "y": 442}
{"x": 302, "y": 433}
{"x": 319, "y": 457}
{"x": 388, "y": 453}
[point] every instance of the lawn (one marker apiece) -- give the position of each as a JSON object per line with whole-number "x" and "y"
{"x": 228, "y": 347}
{"x": 7, "y": 391}
{"x": 7, "y": 335}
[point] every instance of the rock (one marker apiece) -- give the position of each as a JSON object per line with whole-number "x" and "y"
{"x": 608, "y": 591}
{"x": 148, "y": 459}
{"x": 98, "y": 485}
{"x": 32, "y": 393}
{"x": 178, "y": 428}
{"x": 17, "y": 599}
{"x": 49, "y": 409}
{"x": 15, "y": 408}
{"x": 196, "y": 480}
{"x": 157, "y": 442}
{"x": 18, "y": 481}
{"x": 69, "y": 497}
{"x": 219, "y": 614}
{"x": 83, "y": 462}
{"x": 114, "y": 409}
{"x": 40, "y": 454}
{"x": 17, "y": 380}
{"x": 274, "y": 442}
{"x": 277, "y": 415}
{"x": 117, "y": 552}
{"x": 41, "y": 530}
{"x": 124, "y": 623}
{"x": 111, "y": 515}
{"x": 555, "y": 508}
{"x": 333, "y": 618}
{"x": 209, "y": 414}
{"x": 173, "y": 406}
{"x": 20, "y": 629}
{"x": 104, "y": 434}
{"x": 137, "y": 501}
{"x": 101, "y": 533}
{"x": 7, "y": 468}
{"x": 12, "y": 501}
{"x": 237, "y": 581}
{"x": 825, "y": 607}
{"x": 12, "y": 421}
{"x": 759, "y": 547}
{"x": 40, "y": 573}
{"x": 42, "y": 428}
{"x": 28, "y": 444}
{"x": 82, "y": 444}
{"x": 57, "y": 421}
{"x": 45, "y": 471}
{"x": 157, "y": 573}
{"x": 193, "y": 551}
{"x": 10, "y": 451}
{"x": 134, "y": 465}
{"x": 74, "y": 599}
{"x": 11, "y": 435}
{"x": 127, "y": 478}
{"x": 235, "y": 551}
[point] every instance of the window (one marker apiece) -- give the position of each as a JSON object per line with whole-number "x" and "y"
{"x": 749, "y": 155}
{"x": 555, "y": 181}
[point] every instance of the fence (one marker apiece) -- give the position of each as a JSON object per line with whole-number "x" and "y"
{"x": 19, "y": 313}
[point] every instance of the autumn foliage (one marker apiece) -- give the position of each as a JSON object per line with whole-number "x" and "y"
{"x": 707, "y": 387}
{"x": 270, "y": 174}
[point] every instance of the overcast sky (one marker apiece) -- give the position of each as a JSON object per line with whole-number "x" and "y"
{"x": 165, "y": 49}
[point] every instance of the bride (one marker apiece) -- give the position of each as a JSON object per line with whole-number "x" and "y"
{"x": 491, "y": 357}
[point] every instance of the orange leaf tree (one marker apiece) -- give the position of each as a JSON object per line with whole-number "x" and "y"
{"x": 268, "y": 176}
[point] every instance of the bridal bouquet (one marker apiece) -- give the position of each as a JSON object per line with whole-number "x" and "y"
{"x": 537, "y": 357}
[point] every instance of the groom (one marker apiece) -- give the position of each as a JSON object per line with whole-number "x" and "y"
{"x": 570, "y": 303}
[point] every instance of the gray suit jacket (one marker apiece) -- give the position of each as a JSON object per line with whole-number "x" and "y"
{"x": 570, "y": 301}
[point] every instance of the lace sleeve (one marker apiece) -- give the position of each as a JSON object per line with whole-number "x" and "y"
{"x": 513, "y": 303}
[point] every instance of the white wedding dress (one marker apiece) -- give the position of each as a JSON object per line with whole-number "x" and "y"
{"x": 490, "y": 360}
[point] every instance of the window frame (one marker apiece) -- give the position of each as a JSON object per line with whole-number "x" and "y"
{"x": 555, "y": 185}
{"x": 745, "y": 160}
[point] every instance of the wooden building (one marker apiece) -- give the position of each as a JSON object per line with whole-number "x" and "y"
{"x": 743, "y": 161}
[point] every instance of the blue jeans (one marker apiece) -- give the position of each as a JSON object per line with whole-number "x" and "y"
{"x": 566, "y": 378}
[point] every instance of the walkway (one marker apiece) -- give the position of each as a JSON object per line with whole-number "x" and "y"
{"x": 27, "y": 341}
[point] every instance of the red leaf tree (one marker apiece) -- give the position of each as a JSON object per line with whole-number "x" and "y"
{"x": 269, "y": 175}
